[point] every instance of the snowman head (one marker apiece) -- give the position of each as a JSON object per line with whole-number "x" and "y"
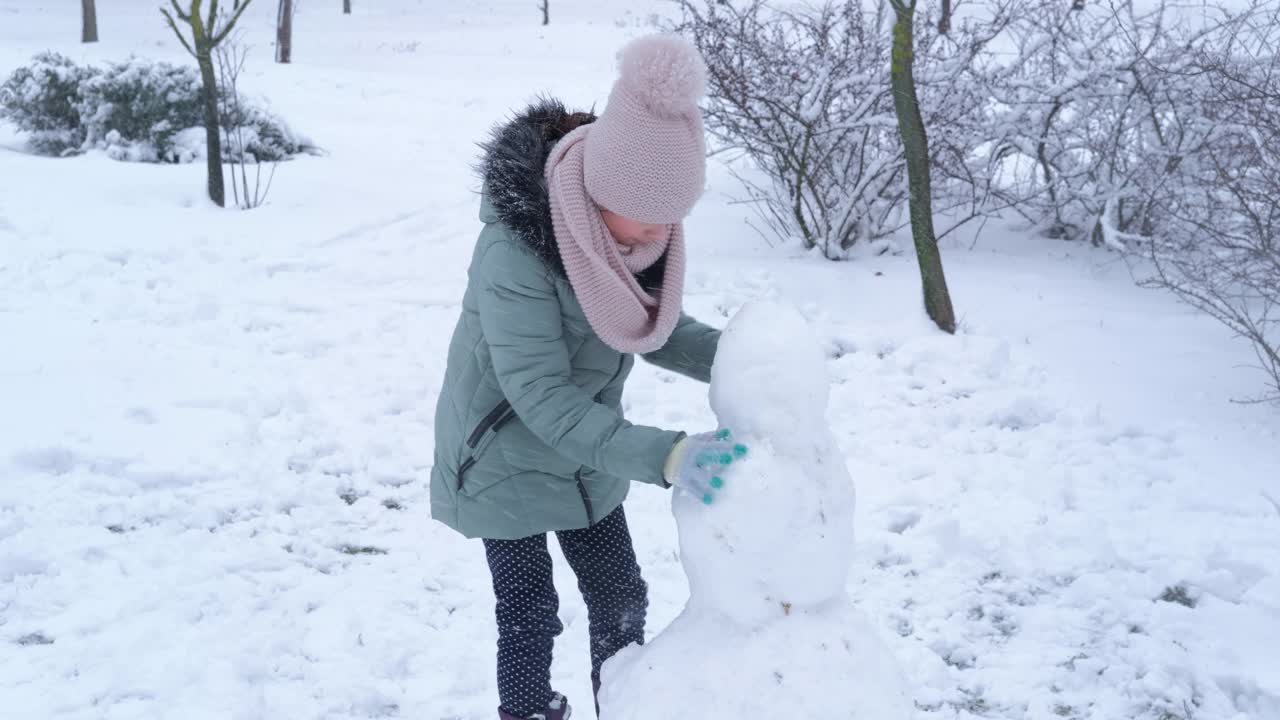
{"x": 770, "y": 375}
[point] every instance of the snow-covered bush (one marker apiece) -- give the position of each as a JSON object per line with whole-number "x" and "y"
{"x": 133, "y": 109}
{"x": 1091, "y": 121}
{"x": 261, "y": 135}
{"x": 954, "y": 72}
{"x": 1216, "y": 243}
{"x": 43, "y": 99}
{"x": 803, "y": 92}
{"x": 805, "y": 96}
{"x": 139, "y": 110}
{"x": 1155, "y": 133}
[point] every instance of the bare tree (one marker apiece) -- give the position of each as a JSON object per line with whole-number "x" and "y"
{"x": 284, "y": 31}
{"x": 88, "y": 21}
{"x": 207, "y": 33}
{"x": 246, "y": 194}
{"x": 915, "y": 145}
{"x": 545, "y": 6}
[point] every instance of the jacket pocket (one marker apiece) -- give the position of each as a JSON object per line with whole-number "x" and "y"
{"x": 586, "y": 498}
{"x": 488, "y": 422}
{"x": 493, "y": 421}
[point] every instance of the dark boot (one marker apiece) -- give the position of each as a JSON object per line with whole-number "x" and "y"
{"x": 557, "y": 709}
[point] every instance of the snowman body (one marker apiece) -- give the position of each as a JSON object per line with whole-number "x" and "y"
{"x": 768, "y": 627}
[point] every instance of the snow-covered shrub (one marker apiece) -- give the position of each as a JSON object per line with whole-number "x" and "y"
{"x": 805, "y": 96}
{"x": 803, "y": 92}
{"x": 133, "y": 109}
{"x": 1216, "y": 243}
{"x": 954, "y": 71}
{"x": 43, "y": 99}
{"x": 1090, "y": 117}
{"x": 137, "y": 110}
{"x": 1157, "y": 134}
{"x": 258, "y": 133}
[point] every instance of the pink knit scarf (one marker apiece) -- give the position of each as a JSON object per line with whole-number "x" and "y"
{"x": 602, "y": 273}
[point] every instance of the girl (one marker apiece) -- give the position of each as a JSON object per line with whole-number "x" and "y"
{"x": 579, "y": 267}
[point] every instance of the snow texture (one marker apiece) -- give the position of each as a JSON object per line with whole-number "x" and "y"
{"x": 215, "y": 425}
{"x": 815, "y": 663}
{"x": 769, "y": 630}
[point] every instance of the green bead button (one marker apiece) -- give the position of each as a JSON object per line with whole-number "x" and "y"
{"x": 706, "y": 499}
{"x": 717, "y": 483}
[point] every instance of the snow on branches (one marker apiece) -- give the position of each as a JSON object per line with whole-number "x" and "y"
{"x": 804, "y": 94}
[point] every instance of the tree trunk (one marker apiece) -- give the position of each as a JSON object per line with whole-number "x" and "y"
{"x": 915, "y": 144}
{"x": 212, "y": 127}
{"x": 284, "y": 32}
{"x": 206, "y": 35}
{"x": 88, "y": 21}
{"x": 546, "y": 12}
{"x": 346, "y": 7}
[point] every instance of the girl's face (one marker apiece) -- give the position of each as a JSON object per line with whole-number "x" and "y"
{"x": 633, "y": 232}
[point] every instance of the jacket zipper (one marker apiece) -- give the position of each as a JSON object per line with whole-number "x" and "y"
{"x": 506, "y": 418}
{"x": 487, "y": 422}
{"x": 463, "y": 468}
{"x": 586, "y": 499}
{"x": 500, "y": 415}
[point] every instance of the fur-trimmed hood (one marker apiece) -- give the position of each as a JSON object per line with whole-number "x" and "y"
{"x": 515, "y": 185}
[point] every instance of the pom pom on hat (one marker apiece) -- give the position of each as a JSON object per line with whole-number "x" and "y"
{"x": 664, "y": 72}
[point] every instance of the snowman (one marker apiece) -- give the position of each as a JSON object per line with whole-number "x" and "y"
{"x": 768, "y": 630}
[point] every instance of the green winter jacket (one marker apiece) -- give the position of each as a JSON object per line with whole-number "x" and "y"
{"x": 529, "y": 433}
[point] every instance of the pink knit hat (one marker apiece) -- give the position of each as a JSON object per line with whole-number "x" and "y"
{"x": 645, "y": 157}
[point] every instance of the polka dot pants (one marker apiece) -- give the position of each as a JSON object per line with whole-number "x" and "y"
{"x": 527, "y": 605}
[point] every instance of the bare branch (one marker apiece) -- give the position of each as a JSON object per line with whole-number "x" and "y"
{"x": 177, "y": 9}
{"x": 181, "y": 38}
{"x": 238, "y": 10}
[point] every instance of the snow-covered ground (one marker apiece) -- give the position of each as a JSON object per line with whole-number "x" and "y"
{"x": 215, "y": 426}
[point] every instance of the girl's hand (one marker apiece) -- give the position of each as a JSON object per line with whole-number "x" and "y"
{"x": 698, "y": 463}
